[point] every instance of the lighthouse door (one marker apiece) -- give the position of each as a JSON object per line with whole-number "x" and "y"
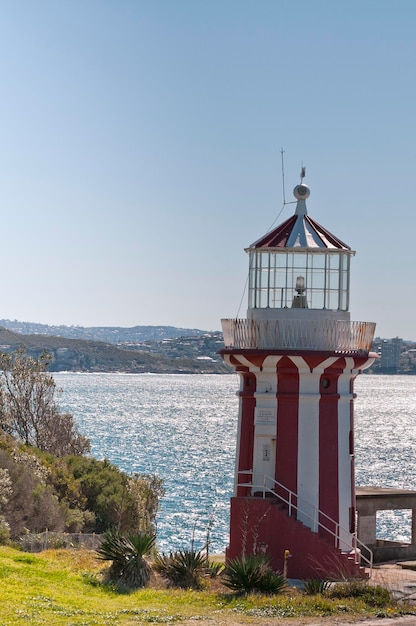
{"x": 264, "y": 463}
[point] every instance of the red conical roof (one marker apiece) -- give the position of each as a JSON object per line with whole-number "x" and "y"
{"x": 300, "y": 230}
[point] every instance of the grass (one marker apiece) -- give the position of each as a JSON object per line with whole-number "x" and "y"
{"x": 63, "y": 587}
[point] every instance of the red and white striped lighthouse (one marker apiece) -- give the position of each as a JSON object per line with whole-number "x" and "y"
{"x": 297, "y": 354}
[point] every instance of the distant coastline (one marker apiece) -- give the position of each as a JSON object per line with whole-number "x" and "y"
{"x": 171, "y": 354}
{"x": 157, "y": 349}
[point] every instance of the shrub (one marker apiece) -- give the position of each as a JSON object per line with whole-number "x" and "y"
{"x": 183, "y": 568}
{"x": 129, "y": 568}
{"x": 252, "y": 572}
{"x": 4, "y": 530}
{"x": 73, "y": 493}
{"x": 375, "y": 596}
{"x": 141, "y": 502}
{"x": 32, "y": 504}
{"x": 117, "y": 500}
{"x": 28, "y": 407}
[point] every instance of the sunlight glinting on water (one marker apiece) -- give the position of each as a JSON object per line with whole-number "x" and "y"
{"x": 385, "y": 431}
{"x": 183, "y": 428}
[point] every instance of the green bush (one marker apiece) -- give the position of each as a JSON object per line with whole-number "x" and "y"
{"x": 252, "y": 572}
{"x": 129, "y": 568}
{"x": 4, "y": 530}
{"x": 183, "y": 568}
{"x": 117, "y": 500}
{"x": 28, "y": 406}
{"x": 45, "y": 479}
{"x": 375, "y": 596}
{"x": 73, "y": 493}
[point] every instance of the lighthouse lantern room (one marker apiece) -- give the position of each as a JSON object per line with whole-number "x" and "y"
{"x": 297, "y": 353}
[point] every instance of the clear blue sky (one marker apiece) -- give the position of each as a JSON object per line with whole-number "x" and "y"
{"x": 140, "y": 152}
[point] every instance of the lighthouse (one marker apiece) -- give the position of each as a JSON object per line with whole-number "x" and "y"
{"x": 297, "y": 354}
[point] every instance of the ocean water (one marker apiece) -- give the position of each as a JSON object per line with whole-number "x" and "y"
{"x": 183, "y": 428}
{"x": 385, "y": 443}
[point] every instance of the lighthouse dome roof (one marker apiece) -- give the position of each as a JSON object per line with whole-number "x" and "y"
{"x": 300, "y": 230}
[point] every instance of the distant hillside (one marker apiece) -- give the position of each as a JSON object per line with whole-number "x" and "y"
{"x": 109, "y": 334}
{"x": 203, "y": 346}
{"x": 96, "y": 356}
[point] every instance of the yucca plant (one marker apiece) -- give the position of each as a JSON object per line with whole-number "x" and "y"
{"x": 183, "y": 568}
{"x": 214, "y": 568}
{"x": 252, "y": 572}
{"x": 313, "y": 586}
{"x": 129, "y": 567}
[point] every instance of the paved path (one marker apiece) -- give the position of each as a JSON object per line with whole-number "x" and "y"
{"x": 395, "y": 577}
{"x": 406, "y": 620}
{"x": 398, "y": 578}
{"x": 400, "y": 581}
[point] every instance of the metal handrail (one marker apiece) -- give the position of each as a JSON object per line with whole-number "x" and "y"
{"x": 357, "y": 545}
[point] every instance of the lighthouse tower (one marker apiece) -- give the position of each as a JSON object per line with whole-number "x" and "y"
{"x": 297, "y": 354}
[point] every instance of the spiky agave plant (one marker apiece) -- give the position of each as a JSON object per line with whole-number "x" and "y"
{"x": 252, "y": 572}
{"x": 183, "y": 568}
{"x": 313, "y": 586}
{"x": 129, "y": 567}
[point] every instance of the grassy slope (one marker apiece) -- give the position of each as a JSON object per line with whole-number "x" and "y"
{"x": 57, "y": 587}
{"x": 60, "y": 587}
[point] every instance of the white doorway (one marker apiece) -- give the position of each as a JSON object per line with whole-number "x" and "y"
{"x": 264, "y": 463}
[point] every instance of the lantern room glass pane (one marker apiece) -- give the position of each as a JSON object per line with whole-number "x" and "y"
{"x": 344, "y": 281}
{"x": 305, "y": 279}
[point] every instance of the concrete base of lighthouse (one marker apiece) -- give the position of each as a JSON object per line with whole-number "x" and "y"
{"x": 262, "y": 525}
{"x": 294, "y": 485}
